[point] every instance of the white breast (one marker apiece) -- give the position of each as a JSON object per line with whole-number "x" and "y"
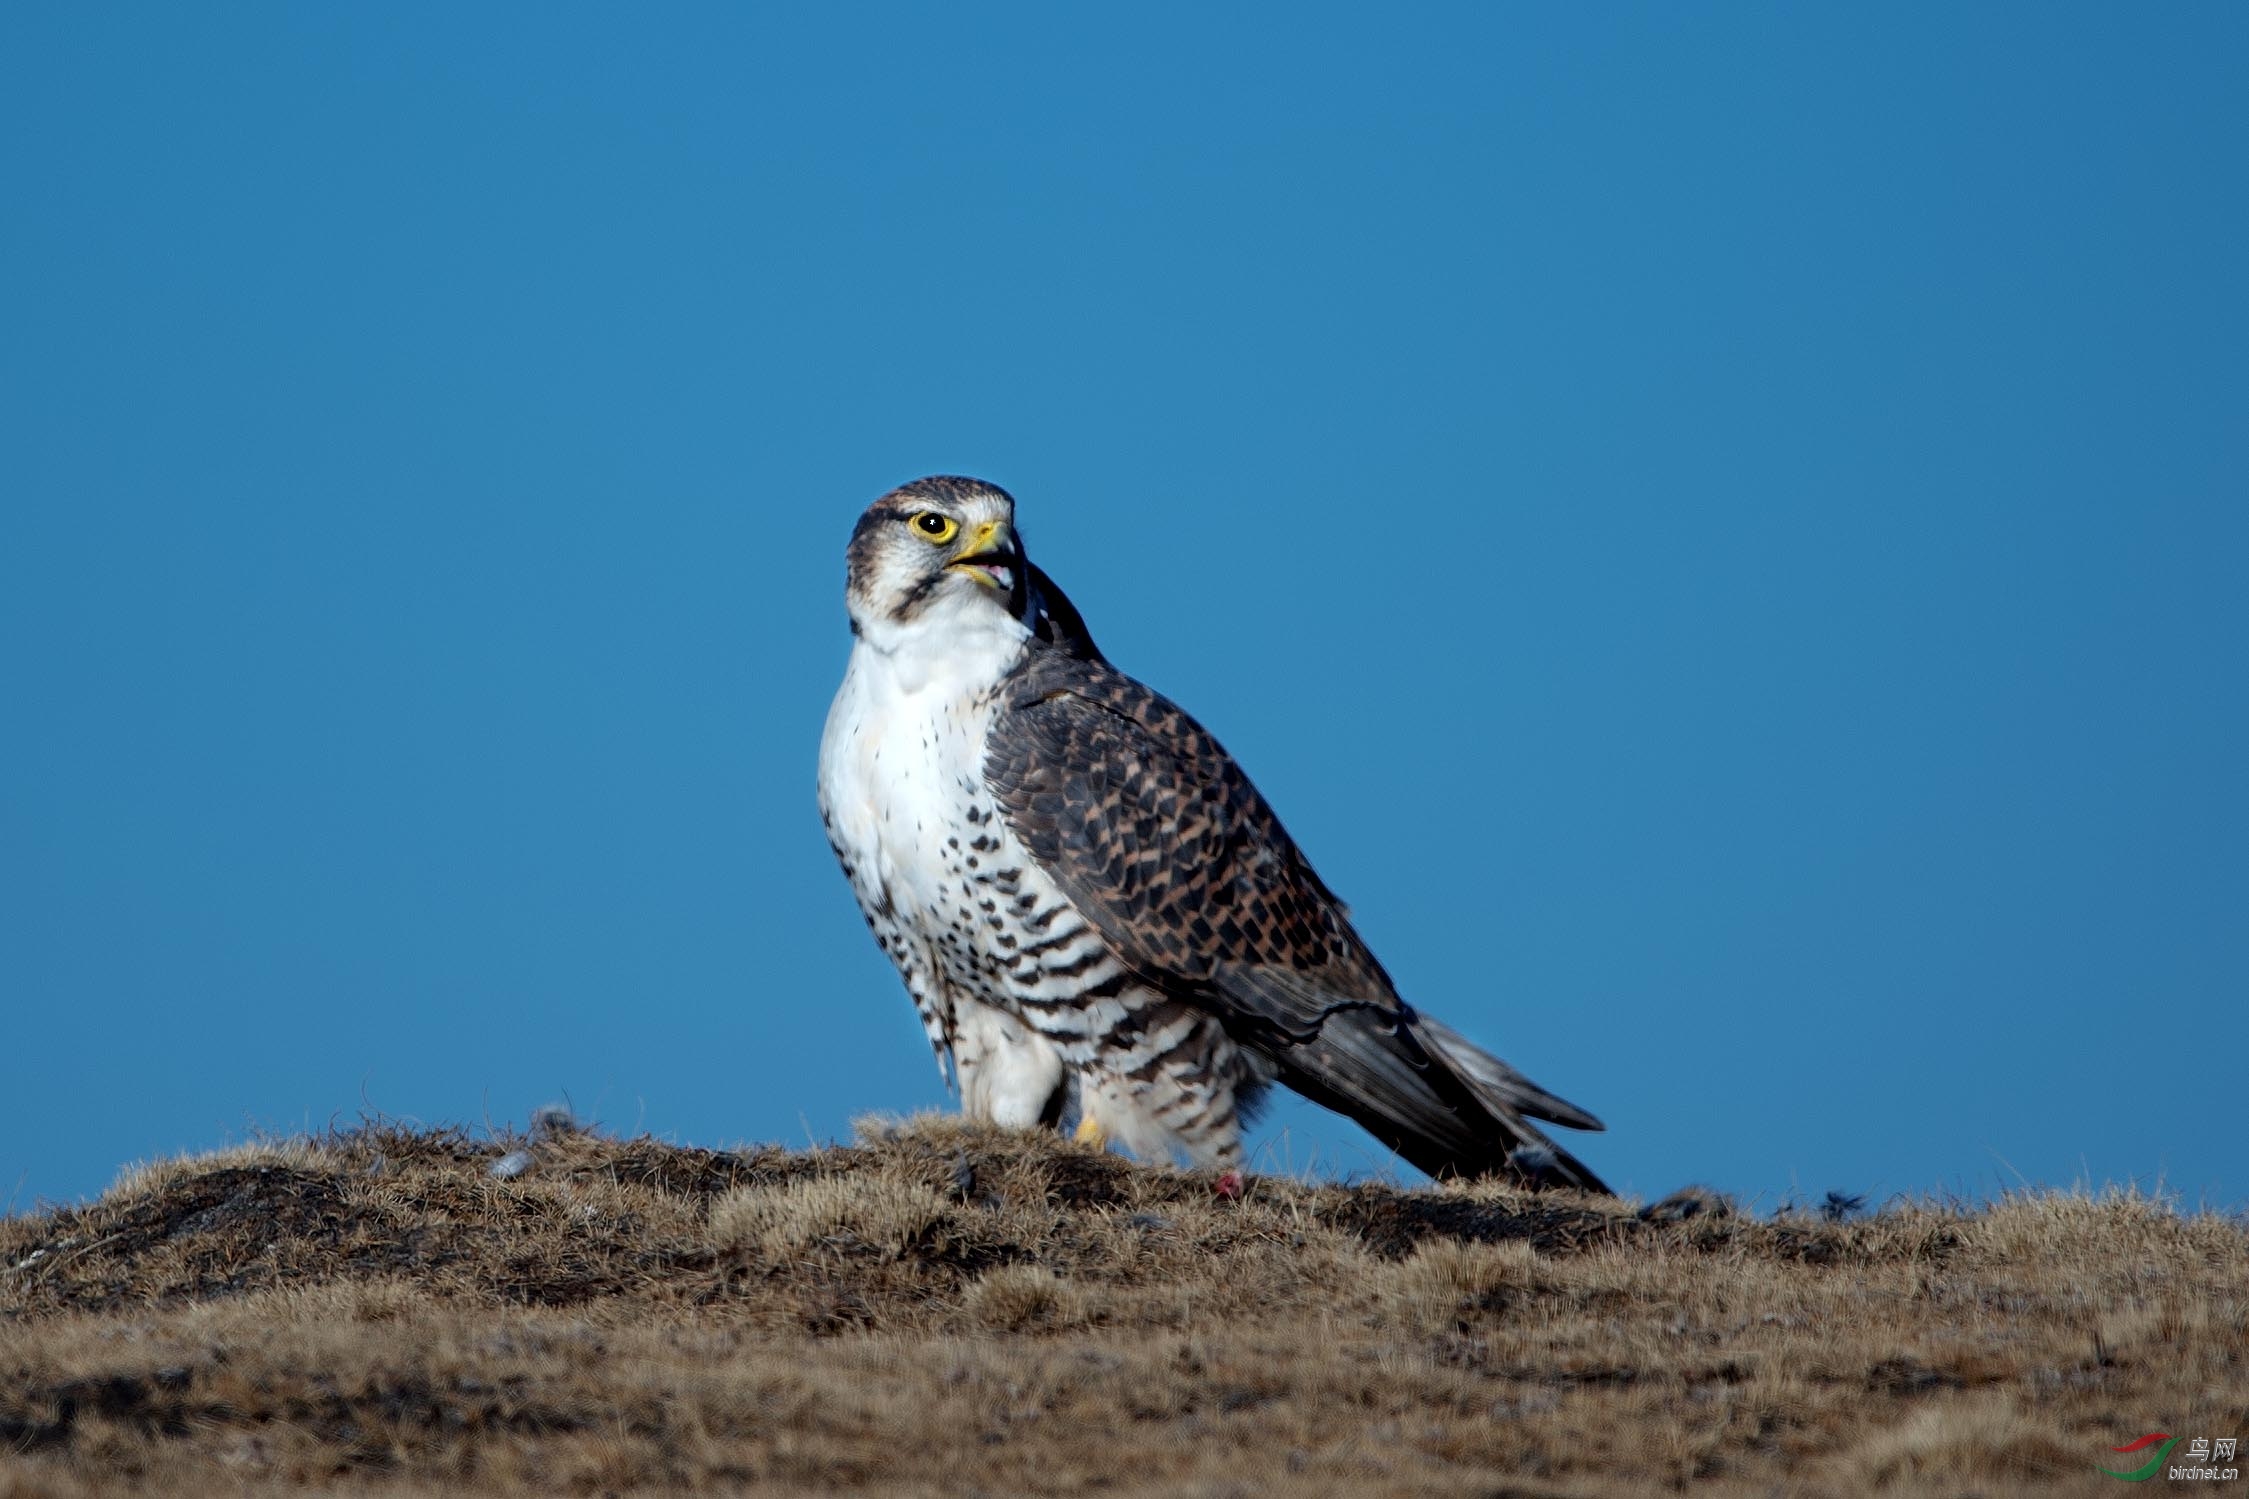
{"x": 1010, "y": 979}
{"x": 903, "y": 755}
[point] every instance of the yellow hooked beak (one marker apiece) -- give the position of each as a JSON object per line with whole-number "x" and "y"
{"x": 989, "y": 556}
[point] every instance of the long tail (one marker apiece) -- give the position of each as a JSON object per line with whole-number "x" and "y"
{"x": 1440, "y": 1101}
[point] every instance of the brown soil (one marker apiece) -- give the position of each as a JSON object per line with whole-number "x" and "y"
{"x": 944, "y": 1309}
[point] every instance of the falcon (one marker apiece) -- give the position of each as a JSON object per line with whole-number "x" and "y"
{"x": 1095, "y": 912}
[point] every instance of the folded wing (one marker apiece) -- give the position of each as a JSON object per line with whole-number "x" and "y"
{"x": 1161, "y": 842}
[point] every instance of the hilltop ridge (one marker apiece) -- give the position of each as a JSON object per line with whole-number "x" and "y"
{"x": 943, "y": 1308}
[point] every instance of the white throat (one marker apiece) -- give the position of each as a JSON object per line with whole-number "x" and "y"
{"x": 905, "y": 744}
{"x": 960, "y": 642}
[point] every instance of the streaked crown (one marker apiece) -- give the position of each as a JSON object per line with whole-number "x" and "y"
{"x": 937, "y": 541}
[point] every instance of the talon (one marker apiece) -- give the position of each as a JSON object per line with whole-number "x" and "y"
{"x": 1089, "y": 1132}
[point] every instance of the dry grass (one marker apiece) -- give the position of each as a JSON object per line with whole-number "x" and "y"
{"x": 947, "y": 1309}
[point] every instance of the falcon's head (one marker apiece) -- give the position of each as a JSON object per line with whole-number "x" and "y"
{"x": 934, "y": 547}
{"x": 944, "y": 552}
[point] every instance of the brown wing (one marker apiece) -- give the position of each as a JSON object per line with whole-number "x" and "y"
{"x": 1163, "y": 844}
{"x": 1054, "y": 619}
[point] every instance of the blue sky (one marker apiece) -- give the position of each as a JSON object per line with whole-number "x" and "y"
{"x": 1721, "y": 530}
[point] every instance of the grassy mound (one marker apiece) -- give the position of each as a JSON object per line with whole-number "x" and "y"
{"x": 941, "y": 1308}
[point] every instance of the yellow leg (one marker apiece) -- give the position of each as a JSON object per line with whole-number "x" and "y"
{"x": 1090, "y": 1133}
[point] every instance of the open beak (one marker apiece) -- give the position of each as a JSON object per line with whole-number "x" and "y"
{"x": 990, "y": 557}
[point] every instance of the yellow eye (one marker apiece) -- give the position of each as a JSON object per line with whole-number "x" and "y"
{"x": 938, "y": 528}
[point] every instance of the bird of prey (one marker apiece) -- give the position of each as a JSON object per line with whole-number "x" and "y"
{"x": 1096, "y": 913}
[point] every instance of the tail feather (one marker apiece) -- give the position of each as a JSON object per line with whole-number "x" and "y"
{"x": 1441, "y": 1102}
{"x": 1489, "y": 1075}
